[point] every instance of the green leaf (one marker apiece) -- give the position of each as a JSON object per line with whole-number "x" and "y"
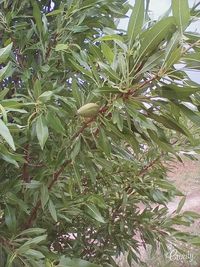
{"x": 93, "y": 211}
{"x": 153, "y": 37}
{"x": 193, "y": 116}
{"x": 107, "y": 52}
{"x": 5, "y": 52}
{"x": 41, "y": 130}
{"x": 5, "y": 133}
{"x": 52, "y": 210}
{"x": 77, "y": 94}
{"x": 46, "y": 96}
{"x": 180, "y": 205}
{"x": 44, "y": 195}
{"x": 112, "y": 37}
{"x": 169, "y": 123}
{"x": 76, "y": 148}
{"x": 34, "y": 253}
{"x": 32, "y": 231}
{"x": 173, "y": 58}
{"x": 62, "y": 47}
{"x": 152, "y": 62}
{"x": 109, "y": 71}
{"x": 81, "y": 69}
{"x": 191, "y": 214}
{"x": 7, "y": 157}
{"x": 177, "y": 92}
{"x": 3, "y": 93}
{"x": 104, "y": 142}
{"x": 195, "y": 241}
{"x": 10, "y": 218}
{"x": 37, "y": 88}
{"x": 5, "y": 71}
{"x": 68, "y": 262}
{"x": 173, "y": 43}
{"x": 54, "y": 122}
{"x": 181, "y": 13}
{"x": 77, "y": 176}
{"x": 32, "y": 241}
{"x": 37, "y": 15}
{"x": 136, "y": 21}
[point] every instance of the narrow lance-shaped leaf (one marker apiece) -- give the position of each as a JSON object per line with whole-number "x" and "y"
{"x": 95, "y": 213}
{"x": 5, "y": 52}
{"x": 52, "y": 210}
{"x": 153, "y": 37}
{"x": 5, "y": 133}
{"x": 173, "y": 58}
{"x": 54, "y": 122}
{"x": 44, "y": 195}
{"x": 42, "y": 131}
{"x": 5, "y": 71}
{"x": 171, "y": 46}
{"x": 10, "y": 218}
{"x": 37, "y": 15}
{"x": 136, "y": 21}
{"x": 151, "y": 63}
{"x": 181, "y": 13}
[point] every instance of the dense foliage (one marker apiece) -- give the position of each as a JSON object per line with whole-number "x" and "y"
{"x": 77, "y": 188}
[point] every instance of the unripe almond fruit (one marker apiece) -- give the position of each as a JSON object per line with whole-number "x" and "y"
{"x": 88, "y": 110}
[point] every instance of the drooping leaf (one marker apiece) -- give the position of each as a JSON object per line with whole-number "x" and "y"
{"x": 5, "y": 133}
{"x": 177, "y": 92}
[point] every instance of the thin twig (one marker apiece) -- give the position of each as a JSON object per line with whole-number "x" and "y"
{"x": 25, "y": 169}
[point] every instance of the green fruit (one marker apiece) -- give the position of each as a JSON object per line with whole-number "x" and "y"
{"x": 89, "y": 110}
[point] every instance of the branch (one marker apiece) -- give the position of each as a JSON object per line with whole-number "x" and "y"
{"x": 56, "y": 176}
{"x": 131, "y": 91}
{"x": 143, "y": 171}
{"x": 25, "y": 171}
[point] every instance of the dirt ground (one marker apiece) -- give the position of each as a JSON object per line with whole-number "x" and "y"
{"x": 186, "y": 177}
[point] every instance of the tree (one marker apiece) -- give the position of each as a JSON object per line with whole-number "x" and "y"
{"x": 73, "y": 177}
